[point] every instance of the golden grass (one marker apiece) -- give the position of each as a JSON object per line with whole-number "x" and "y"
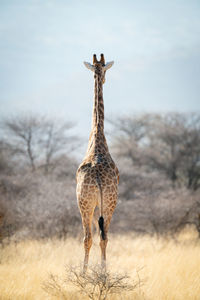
{"x": 170, "y": 270}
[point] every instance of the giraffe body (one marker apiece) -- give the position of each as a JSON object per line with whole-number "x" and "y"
{"x": 97, "y": 176}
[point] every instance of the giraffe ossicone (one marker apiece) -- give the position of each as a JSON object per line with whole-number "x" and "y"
{"x": 97, "y": 176}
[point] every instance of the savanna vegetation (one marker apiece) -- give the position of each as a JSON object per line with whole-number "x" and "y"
{"x": 151, "y": 268}
{"x": 155, "y": 229}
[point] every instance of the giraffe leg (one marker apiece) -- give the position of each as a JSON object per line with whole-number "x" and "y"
{"x": 104, "y": 242}
{"x": 87, "y": 227}
{"x": 107, "y": 215}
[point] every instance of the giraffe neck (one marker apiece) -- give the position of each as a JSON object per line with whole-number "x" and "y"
{"x": 98, "y": 107}
{"x": 97, "y": 140}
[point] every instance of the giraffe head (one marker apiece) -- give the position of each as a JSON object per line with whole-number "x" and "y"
{"x": 99, "y": 67}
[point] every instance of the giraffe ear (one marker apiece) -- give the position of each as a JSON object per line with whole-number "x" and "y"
{"x": 89, "y": 66}
{"x": 108, "y": 65}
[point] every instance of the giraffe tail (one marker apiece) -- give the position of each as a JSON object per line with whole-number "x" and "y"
{"x": 101, "y": 227}
{"x": 101, "y": 219}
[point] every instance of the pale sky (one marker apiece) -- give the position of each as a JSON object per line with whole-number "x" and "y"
{"x": 155, "y": 45}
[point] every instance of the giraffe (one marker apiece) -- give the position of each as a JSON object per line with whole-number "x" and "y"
{"x": 97, "y": 176}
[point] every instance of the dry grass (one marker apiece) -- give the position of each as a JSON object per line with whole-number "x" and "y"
{"x": 169, "y": 269}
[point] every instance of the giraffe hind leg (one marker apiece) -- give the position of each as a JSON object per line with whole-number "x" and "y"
{"x": 87, "y": 246}
{"x": 104, "y": 238}
{"x": 104, "y": 241}
{"x": 87, "y": 227}
{"x": 95, "y": 225}
{"x": 103, "y": 244}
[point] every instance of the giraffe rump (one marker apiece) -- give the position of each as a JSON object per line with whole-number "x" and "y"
{"x": 101, "y": 227}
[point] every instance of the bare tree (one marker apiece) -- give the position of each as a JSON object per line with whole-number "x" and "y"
{"x": 21, "y": 134}
{"x": 95, "y": 284}
{"x": 55, "y": 140}
{"x": 38, "y": 140}
{"x": 175, "y": 148}
{"x": 168, "y": 144}
{"x": 130, "y": 138}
